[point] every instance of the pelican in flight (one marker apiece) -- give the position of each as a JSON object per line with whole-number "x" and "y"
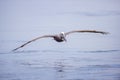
{"x": 60, "y": 37}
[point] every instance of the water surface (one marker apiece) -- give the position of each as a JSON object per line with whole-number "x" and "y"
{"x": 60, "y": 65}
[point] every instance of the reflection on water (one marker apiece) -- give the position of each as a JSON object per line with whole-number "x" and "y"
{"x": 60, "y": 65}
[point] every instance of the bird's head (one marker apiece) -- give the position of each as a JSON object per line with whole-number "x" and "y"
{"x": 62, "y": 34}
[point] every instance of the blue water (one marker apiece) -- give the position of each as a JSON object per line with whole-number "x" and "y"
{"x": 59, "y": 64}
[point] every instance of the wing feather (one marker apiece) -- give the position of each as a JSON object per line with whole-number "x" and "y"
{"x": 84, "y": 31}
{"x": 45, "y": 36}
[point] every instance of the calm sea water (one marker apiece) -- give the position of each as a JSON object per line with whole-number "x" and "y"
{"x": 60, "y": 64}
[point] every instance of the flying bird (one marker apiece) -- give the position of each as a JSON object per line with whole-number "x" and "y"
{"x": 60, "y": 37}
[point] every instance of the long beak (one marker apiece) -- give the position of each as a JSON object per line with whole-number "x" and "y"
{"x": 65, "y": 40}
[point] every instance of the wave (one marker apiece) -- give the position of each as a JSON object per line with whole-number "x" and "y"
{"x": 103, "y": 66}
{"x": 99, "y": 51}
{"x": 60, "y": 51}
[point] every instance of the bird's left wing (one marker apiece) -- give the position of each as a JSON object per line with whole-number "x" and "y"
{"x": 86, "y": 31}
{"x": 45, "y": 36}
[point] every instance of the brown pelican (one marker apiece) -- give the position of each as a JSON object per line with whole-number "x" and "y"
{"x": 61, "y": 37}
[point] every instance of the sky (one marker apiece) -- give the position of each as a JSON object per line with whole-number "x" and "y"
{"x": 30, "y": 18}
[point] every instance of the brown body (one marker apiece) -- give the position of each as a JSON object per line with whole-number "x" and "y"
{"x": 58, "y": 39}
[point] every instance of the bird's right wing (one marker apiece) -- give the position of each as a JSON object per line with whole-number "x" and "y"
{"x": 45, "y": 36}
{"x": 84, "y": 31}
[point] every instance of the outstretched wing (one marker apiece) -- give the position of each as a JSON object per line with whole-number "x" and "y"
{"x": 84, "y": 31}
{"x": 45, "y": 36}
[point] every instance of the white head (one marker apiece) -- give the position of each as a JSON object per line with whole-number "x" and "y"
{"x": 62, "y": 34}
